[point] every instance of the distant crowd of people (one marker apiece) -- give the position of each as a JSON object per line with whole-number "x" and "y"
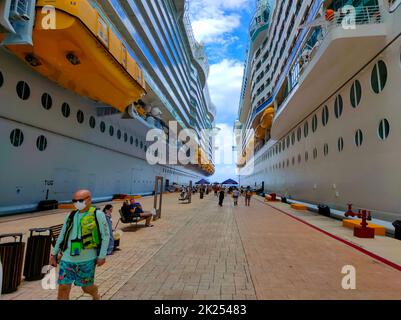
{"x": 220, "y": 192}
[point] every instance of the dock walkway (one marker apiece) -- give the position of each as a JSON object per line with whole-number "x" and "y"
{"x": 201, "y": 251}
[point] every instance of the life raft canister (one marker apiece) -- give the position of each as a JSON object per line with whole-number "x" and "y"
{"x": 329, "y": 14}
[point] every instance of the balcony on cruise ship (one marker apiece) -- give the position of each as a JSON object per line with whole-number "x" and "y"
{"x": 342, "y": 38}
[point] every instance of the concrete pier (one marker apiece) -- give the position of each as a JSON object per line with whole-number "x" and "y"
{"x": 201, "y": 251}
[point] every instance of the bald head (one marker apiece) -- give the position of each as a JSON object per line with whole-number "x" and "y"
{"x": 82, "y": 194}
{"x": 82, "y": 198}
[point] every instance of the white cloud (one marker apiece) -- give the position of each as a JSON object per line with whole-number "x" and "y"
{"x": 225, "y": 82}
{"x": 225, "y": 157}
{"x": 212, "y": 20}
{"x": 210, "y": 30}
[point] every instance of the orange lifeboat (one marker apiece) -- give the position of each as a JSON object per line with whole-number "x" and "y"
{"x": 83, "y": 54}
{"x": 267, "y": 118}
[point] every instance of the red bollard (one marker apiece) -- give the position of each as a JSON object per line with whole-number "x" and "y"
{"x": 362, "y": 231}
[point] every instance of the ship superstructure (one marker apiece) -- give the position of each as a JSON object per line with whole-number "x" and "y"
{"x": 78, "y": 98}
{"x": 319, "y": 107}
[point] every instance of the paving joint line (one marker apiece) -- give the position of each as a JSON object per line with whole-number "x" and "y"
{"x": 246, "y": 256}
{"x": 154, "y": 254}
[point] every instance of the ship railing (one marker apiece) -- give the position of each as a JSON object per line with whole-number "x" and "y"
{"x": 393, "y": 5}
{"x": 347, "y": 18}
{"x": 198, "y": 49}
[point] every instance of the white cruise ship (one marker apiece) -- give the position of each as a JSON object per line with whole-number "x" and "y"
{"x": 77, "y": 98}
{"x": 322, "y": 92}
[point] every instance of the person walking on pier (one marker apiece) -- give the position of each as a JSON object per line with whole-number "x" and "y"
{"x": 221, "y": 197}
{"x": 248, "y": 196}
{"x": 82, "y": 245}
{"x": 108, "y": 211}
{"x": 235, "y": 196}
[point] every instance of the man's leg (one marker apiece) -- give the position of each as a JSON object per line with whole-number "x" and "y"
{"x": 148, "y": 216}
{"x": 93, "y": 290}
{"x": 64, "y": 292}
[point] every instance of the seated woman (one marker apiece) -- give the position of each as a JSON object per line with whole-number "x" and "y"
{"x": 137, "y": 212}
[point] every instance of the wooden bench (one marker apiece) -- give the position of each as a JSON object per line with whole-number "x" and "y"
{"x": 55, "y": 233}
{"x": 130, "y": 221}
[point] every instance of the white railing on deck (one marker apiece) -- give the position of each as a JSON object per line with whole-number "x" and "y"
{"x": 347, "y": 19}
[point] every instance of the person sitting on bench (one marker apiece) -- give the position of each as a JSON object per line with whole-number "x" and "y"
{"x": 137, "y": 212}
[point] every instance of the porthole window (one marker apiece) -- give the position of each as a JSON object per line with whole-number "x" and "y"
{"x": 1, "y": 80}
{"x": 288, "y": 141}
{"x": 80, "y": 116}
{"x": 47, "y": 101}
{"x": 340, "y": 144}
{"x": 356, "y": 94}
{"x": 315, "y": 153}
{"x": 379, "y": 76}
{"x": 338, "y": 106}
{"x": 102, "y": 127}
{"x": 92, "y": 122}
{"x": 136, "y": 142}
{"x": 299, "y": 134}
{"x": 65, "y": 110}
{"x": 384, "y": 129}
{"x": 326, "y": 149}
{"x": 293, "y": 138}
{"x": 145, "y": 148}
{"x": 283, "y": 143}
{"x": 41, "y": 143}
{"x": 141, "y": 145}
{"x": 119, "y": 134}
{"x": 111, "y": 131}
{"x": 125, "y": 137}
{"x": 314, "y": 123}
{"x": 16, "y": 137}
{"x": 306, "y": 129}
{"x": 23, "y": 90}
{"x": 131, "y": 140}
{"x": 325, "y": 116}
{"x": 358, "y": 138}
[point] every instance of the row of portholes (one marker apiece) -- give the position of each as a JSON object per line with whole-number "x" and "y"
{"x": 378, "y": 82}
{"x": 17, "y": 139}
{"x": 23, "y": 92}
{"x": 383, "y": 134}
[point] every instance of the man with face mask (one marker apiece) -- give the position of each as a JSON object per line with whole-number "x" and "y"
{"x": 82, "y": 245}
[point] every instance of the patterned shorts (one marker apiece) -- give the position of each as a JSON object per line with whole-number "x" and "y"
{"x": 81, "y": 274}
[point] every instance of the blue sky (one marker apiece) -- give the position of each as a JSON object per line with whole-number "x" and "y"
{"x": 222, "y": 25}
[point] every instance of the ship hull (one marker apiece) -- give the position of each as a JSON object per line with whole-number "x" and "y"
{"x": 75, "y": 155}
{"x": 368, "y": 175}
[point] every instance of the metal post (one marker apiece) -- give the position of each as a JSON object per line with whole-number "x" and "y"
{"x": 158, "y": 195}
{"x": 190, "y": 192}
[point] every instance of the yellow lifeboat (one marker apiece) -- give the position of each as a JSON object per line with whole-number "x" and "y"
{"x": 267, "y": 118}
{"x": 83, "y": 54}
{"x": 260, "y": 132}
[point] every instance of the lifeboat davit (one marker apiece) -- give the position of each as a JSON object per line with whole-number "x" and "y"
{"x": 267, "y": 118}
{"x": 83, "y": 54}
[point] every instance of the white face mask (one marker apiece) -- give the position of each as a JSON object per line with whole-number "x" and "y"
{"x": 80, "y": 205}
